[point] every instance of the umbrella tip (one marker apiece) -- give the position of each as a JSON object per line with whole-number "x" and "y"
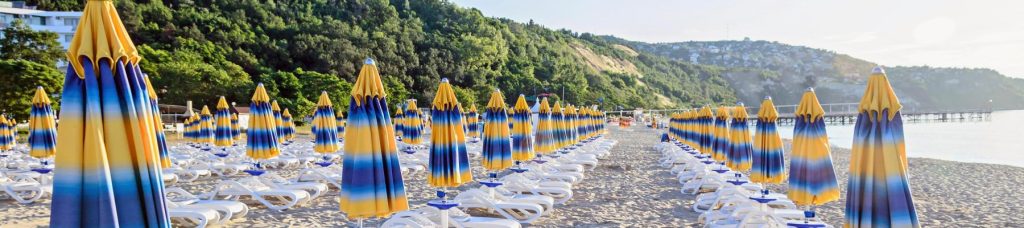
{"x": 878, "y": 70}
{"x": 259, "y": 85}
{"x": 739, "y": 103}
{"x": 39, "y": 87}
{"x": 767, "y": 97}
{"x": 810, "y": 89}
{"x": 369, "y": 61}
{"x": 444, "y": 80}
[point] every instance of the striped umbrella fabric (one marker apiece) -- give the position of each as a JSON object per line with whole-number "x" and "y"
{"x": 472, "y": 122}
{"x": 497, "y": 149}
{"x": 236, "y": 128}
{"x": 222, "y": 120}
{"x": 340, "y": 121}
{"x": 740, "y": 148}
{"x": 768, "y": 164}
{"x": 261, "y": 136}
{"x": 158, "y": 125}
{"x": 6, "y": 126}
{"x": 812, "y": 179}
{"x": 289, "y": 125}
{"x": 205, "y": 134}
{"x": 878, "y": 190}
{"x": 546, "y": 141}
{"x": 42, "y": 129}
{"x": 705, "y": 130}
{"x": 449, "y": 162}
{"x": 325, "y": 127}
{"x": 279, "y": 127}
{"x": 107, "y": 173}
{"x": 188, "y": 126}
{"x": 413, "y": 128}
{"x": 522, "y": 131}
{"x": 720, "y": 139}
{"x": 559, "y": 125}
{"x": 400, "y": 120}
{"x": 571, "y": 125}
{"x": 371, "y": 178}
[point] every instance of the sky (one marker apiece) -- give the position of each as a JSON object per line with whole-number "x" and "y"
{"x": 940, "y": 33}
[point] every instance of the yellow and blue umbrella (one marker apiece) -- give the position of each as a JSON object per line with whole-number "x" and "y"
{"x": 558, "y": 124}
{"x": 6, "y": 142}
{"x": 340, "y": 121}
{"x": 289, "y": 125}
{"x": 720, "y": 138}
{"x": 107, "y": 173}
{"x": 42, "y": 129}
{"x": 497, "y": 149}
{"x": 158, "y": 125}
{"x": 191, "y": 124}
{"x": 400, "y": 120}
{"x": 472, "y": 120}
{"x": 705, "y": 130}
{"x": 279, "y": 127}
{"x": 222, "y": 120}
{"x": 412, "y": 129}
{"x": 740, "y": 149}
{"x": 236, "y": 128}
{"x": 768, "y": 163}
{"x": 325, "y": 127}
{"x": 545, "y": 137}
{"x": 261, "y": 136}
{"x": 205, "y": 135}
{"x": 571, "y": 125}
{"x": 371, "y": 178}
{"x": 812, "y": 179}
{"x": 878, "y": 192}
{"x": 522, "y": 131}
{"x": 449, "y": 162}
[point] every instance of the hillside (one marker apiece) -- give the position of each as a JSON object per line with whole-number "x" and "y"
{"x": 200, "y": 49}
{"x": 758, "y": 68}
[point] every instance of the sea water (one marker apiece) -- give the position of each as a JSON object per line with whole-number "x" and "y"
{"x": 998, "y": 140}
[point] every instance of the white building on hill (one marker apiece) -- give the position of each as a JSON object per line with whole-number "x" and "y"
{"x": 63, "y": 23}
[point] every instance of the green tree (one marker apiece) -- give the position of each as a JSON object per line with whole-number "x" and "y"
{"x": 21, "y": 42}
{"x": 20, "y": 79}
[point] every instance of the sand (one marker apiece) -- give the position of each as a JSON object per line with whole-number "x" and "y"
{"x": 629, "y": 189}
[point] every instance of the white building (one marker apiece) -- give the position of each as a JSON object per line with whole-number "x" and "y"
{"x": 63, "y": 23}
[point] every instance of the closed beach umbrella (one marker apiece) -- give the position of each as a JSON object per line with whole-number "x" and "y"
{"x": 325, "y": 127}
{"x": 189, "y": 133}
{"x": 878, "y": 191}
{"x": 720, "y": 141}
{"x": 222, "y": 120}
{"x": 449, "y": 162}
{"x": 340, "y": 121}
{"x": 740, "y": 149}
{"x": 472, "y": 120}
{"x": 158, "y": 125}
{"x": 522, "y": 131}
{"x": 236, "y": 128}
{"x": 412, "y": 130}
{"x": 768, "y": 165}
{"x": 705, "y": 130}
{"x": 558, "y": 124}
{"x": 5, "y": 133}
{"x": 812, "y": 179}
{"x": 289, "y": 125}
{"x": 545, "y": 137}
{"x": 279, "y": 127}
{"x": 371, "y": 178}
{"x": 497, "y": 149}
{"x": 206, "y": 126}
{"x": 399, "y": 120}
{"x": 571, "y": 125}
{"x": 261, "y": 136}
{"x": 42, "y": 129}
{"x": 107, "y": 172}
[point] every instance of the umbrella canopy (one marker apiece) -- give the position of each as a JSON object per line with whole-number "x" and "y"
{"x": 812, "y": 179}
{"x": 740, "y": 149}
{"x": 6, "y": 126}
{"x": 222, "y": 120}
{"x": 400, "y": 120}
{"x": 720, "y": 146}
{"x": 371, "y": 178}
{"x": 412, "y": 130}
{"x": 705, "y": 130}
{"x": 878, "y": 192}
{"x": 236, "y": 128}
{"x": 340, "y": 121}
{"x": 522, "y": 131}
{"x": 190, "y": 126}
{"x": 559, "y": 125}
{"x": 571, "y": 125}
{"x": 497, "y": 149}
{"x": 768, "y": 165}
{"x": 42, "y": 129}
{"x": 289, "y": 125}
{"x": 261, "y": 136}
{"x": 158, "y": 125}
{"x": 545, "y": 141}
{"x": 472, "y": 120}
{"x": 279, "y": 127}
{"x": 449, "y": 162}
{"x": 205, "y": 134}
{"x": 107, "y": 173}
{"x": 325, "y": 127}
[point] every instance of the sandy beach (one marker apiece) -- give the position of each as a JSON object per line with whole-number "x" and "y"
{"x": 629, "y": 189}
